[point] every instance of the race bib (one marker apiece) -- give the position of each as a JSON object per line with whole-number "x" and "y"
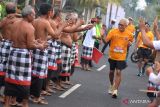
{"x": 118, "y": 50}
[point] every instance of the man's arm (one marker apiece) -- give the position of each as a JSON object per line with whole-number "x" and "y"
{"x": 59, "y": 29}
{"x": 108, "y": 37}
{"x": 145, "y": 39}
{"x": 31, "y": 42}
{"x": 137, "y": 42}
{"x": 83, "y": 28}
{"x": 155, "y": 28}
{"x": 72, "y": 29}
{"x": 50, "y": 31}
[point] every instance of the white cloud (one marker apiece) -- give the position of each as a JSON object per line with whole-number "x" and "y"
{"x": 141, "y": 5}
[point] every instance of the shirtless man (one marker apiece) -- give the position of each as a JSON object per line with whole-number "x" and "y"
{"x": 53, "y": 46}
{"x": 6, "y": 41}
{"x": 67, "y": 45}
{"x": 18, "y": 74}
{"x": 40, "y": 58}
{"x": 70, "y": 29}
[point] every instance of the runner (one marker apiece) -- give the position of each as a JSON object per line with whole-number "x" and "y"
{"x": 119, "y": 40}
{"x": 144, "y": 52}
{"x": 154, "y": 45}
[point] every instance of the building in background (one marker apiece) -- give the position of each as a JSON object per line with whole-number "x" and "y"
{"x": 114, "y": 12}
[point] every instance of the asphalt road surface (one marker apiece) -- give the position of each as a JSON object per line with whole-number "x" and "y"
{"x": 90, "y": 89}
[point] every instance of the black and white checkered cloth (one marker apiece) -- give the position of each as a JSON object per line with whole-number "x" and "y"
{"x": 73, "y": 53}
{"x": 19, "y": 67}
{"x": 87, "y": 53}
{"x": 66, "y": 63}
{"x": 40, "y": 63}
{"x": 4, "y": 54}
{"x": 52, "y": 65}
{"x": 58, "y": 50}
{"x": 151, "y": 85}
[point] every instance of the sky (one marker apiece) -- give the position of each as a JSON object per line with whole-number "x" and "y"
{"x": 141, "y": 4}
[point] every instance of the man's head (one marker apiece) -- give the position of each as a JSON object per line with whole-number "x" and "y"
{"x": 147, "y": 27}
{"x": 10, "y": 8}
{"x": 122, "y": 24}
{"x": 46, "y": 9}
{"x": 29, "y": 13}
{"x": 130, "y": 20}
{"x": 93, "y": 20}
{"x": 113, "y": 21}
{"x": 57, "y": 15}
{"x": 98, "y": 19}
{"x": 72, "y": 17}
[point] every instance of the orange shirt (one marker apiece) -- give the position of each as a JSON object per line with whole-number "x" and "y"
{"x": 131, "y": 28}
{"x": 139, "y": 39}
{"x": 118, "y": 44}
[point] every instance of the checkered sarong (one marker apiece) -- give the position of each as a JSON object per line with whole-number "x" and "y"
{"x": 58, "y": 50}
{"x": 52, "y": 65}
{"x": 87, "y": 53}
{"x": 4, "y": 54}
{"x": 19, "y": 67}
{"x": 40, "y": 63}
{"x": 66, "y": 63}
{"x": 151, "y": 86}
{"x": 73, "y": 53}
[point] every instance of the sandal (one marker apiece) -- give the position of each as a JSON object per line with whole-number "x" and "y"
{"x": 88, "y": 69}
{"x": 67, "y": 83}
{"x": 19, "y": 104}
{"x": 43, "y": 102}
{"x": 50, "y": 91}
{"x": 59, "y": 88}
{"x": 2, "y": 99}
{"x": 40, "y": 101}
{"x": 46, "y": 93}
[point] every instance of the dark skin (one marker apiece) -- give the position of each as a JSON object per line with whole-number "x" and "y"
{"x": 8, "y": 28}
{"x": 25, "y": 38}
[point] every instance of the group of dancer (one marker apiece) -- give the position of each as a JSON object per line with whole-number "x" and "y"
{"x": 35, "y": 53}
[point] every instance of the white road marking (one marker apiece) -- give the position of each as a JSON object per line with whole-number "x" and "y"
{"x": 102, "y": 67}
{"x": 70, "y": 91}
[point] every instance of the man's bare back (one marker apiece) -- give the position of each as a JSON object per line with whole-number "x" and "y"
{"x": 7, "y": 29}
{"x": 20, "y": 35}
{"x": 40, "y": 28}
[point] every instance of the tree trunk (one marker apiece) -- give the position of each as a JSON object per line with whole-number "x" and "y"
{"x": 88, "y": 14}
{"x": 33, "y": 2}
{"x": 52, "y": 2}
{"x": 14, "y": 1}
{"x": 26, "y": 2}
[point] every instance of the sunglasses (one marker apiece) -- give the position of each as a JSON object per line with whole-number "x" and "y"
{"x": 121, "y": 25}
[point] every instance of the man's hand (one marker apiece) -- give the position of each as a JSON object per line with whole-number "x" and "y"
{"x": 149, "y": 71}
{"x": 155, "y": 24}
{"x": 80, "y": 21}
{"x": 89, "y": 26}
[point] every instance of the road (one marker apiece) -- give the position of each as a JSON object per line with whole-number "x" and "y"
{"x": 90, "y": 89}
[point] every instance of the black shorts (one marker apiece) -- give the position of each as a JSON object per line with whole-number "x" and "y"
{"x": 16, "y": 90}
{"x": 114, "y": 64}
{"x": 144, "y": 53}
{"x": 2, "y": 81}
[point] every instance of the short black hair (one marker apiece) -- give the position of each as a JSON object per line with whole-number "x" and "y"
{"x": 10, "y": 9}
{"x": 45, "y": 8}
{"x": 146, "y": 23}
